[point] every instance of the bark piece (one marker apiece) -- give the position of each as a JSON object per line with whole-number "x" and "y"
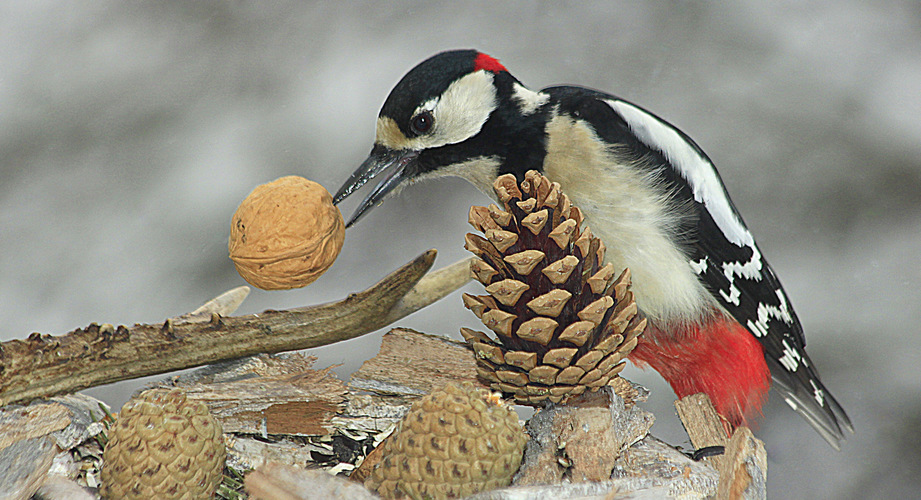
{"x": 300, "y": 402}
{"x": 581, "y": 441}
{"x": 413, "y": 363}
{"x": 743, "y": 474}
{"x": 274, "y": 481}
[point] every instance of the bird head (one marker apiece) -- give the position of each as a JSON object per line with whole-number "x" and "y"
{"x": 457, "y": 113}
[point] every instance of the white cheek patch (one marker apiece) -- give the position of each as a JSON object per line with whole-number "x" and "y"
{"x": 459, "y": 113}
{"x": 462, "y": 110}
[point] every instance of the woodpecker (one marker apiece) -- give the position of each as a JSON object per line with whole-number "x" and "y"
{"x": 719, "y": 320}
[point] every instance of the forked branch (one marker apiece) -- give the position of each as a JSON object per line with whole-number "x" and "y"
{"x": 45, "y": 365}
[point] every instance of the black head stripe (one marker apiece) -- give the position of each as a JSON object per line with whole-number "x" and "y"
{"x": 429, "y": 79}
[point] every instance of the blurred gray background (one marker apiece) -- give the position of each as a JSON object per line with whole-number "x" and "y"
{"x": 130, "y": 132}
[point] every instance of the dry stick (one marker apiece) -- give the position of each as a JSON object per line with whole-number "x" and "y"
{"x": 703, "y": 425}
{"x": 43, "y": 365}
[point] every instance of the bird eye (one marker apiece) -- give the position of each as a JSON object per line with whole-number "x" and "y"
{"x": 422, "y": 122}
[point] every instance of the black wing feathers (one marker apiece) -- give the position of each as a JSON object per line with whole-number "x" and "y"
{"x": 755, "y": 299}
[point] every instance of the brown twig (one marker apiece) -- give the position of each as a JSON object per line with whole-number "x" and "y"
{"x": 743, "y": 466}
{"x": 704, "y": 426}
{"x": 45, "y": 365}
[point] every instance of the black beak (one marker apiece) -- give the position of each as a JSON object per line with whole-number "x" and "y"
{"x": 380, "y": 160}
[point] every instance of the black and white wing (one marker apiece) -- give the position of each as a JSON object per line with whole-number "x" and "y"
{"x": 724, "y": 255}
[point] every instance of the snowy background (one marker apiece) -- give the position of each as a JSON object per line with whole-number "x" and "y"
{"x": 130, "y": 132}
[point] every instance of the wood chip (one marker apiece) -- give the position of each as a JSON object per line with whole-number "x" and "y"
{"x": 703, "y": 424}
{"x": 743, "y": 473}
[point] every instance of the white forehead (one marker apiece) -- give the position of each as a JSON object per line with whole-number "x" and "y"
{"x": 459, "y": 112}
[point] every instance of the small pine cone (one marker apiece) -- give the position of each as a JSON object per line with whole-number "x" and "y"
{"x": 456, "y": 441}
{"x": 563, "y": 323}
{"x": 163, "y": 445}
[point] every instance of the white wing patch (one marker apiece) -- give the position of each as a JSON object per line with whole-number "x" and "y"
{"x": 733, "y": 296}
{"x": 817, "y": 393}
{"x": 766, "y": 312}
{"x": 528, "y": 100}
{"x": 699, "y": 266}
{"x": 700, "y": 174}
{"x": 750, "y": 270}
{"x": 791, "y": 357}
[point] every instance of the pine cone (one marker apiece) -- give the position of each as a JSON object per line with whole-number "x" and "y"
{"x": 454, "y": 442}
{"x": 563, "y": 322}
{"x": 163, "y": 446}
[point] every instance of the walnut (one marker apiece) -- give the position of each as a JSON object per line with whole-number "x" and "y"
{"x": 286, "y": 234}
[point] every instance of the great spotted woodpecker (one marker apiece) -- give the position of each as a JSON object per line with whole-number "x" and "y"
{"x": 719, "y": 320}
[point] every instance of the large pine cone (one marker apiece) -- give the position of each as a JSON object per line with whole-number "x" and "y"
{"x": 454, "y": 442}
{"x": 163, "y": 445}
{"x": 563, "y": 322}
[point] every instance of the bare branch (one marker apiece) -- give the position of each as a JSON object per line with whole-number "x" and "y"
{"x": 45, "y": 365}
